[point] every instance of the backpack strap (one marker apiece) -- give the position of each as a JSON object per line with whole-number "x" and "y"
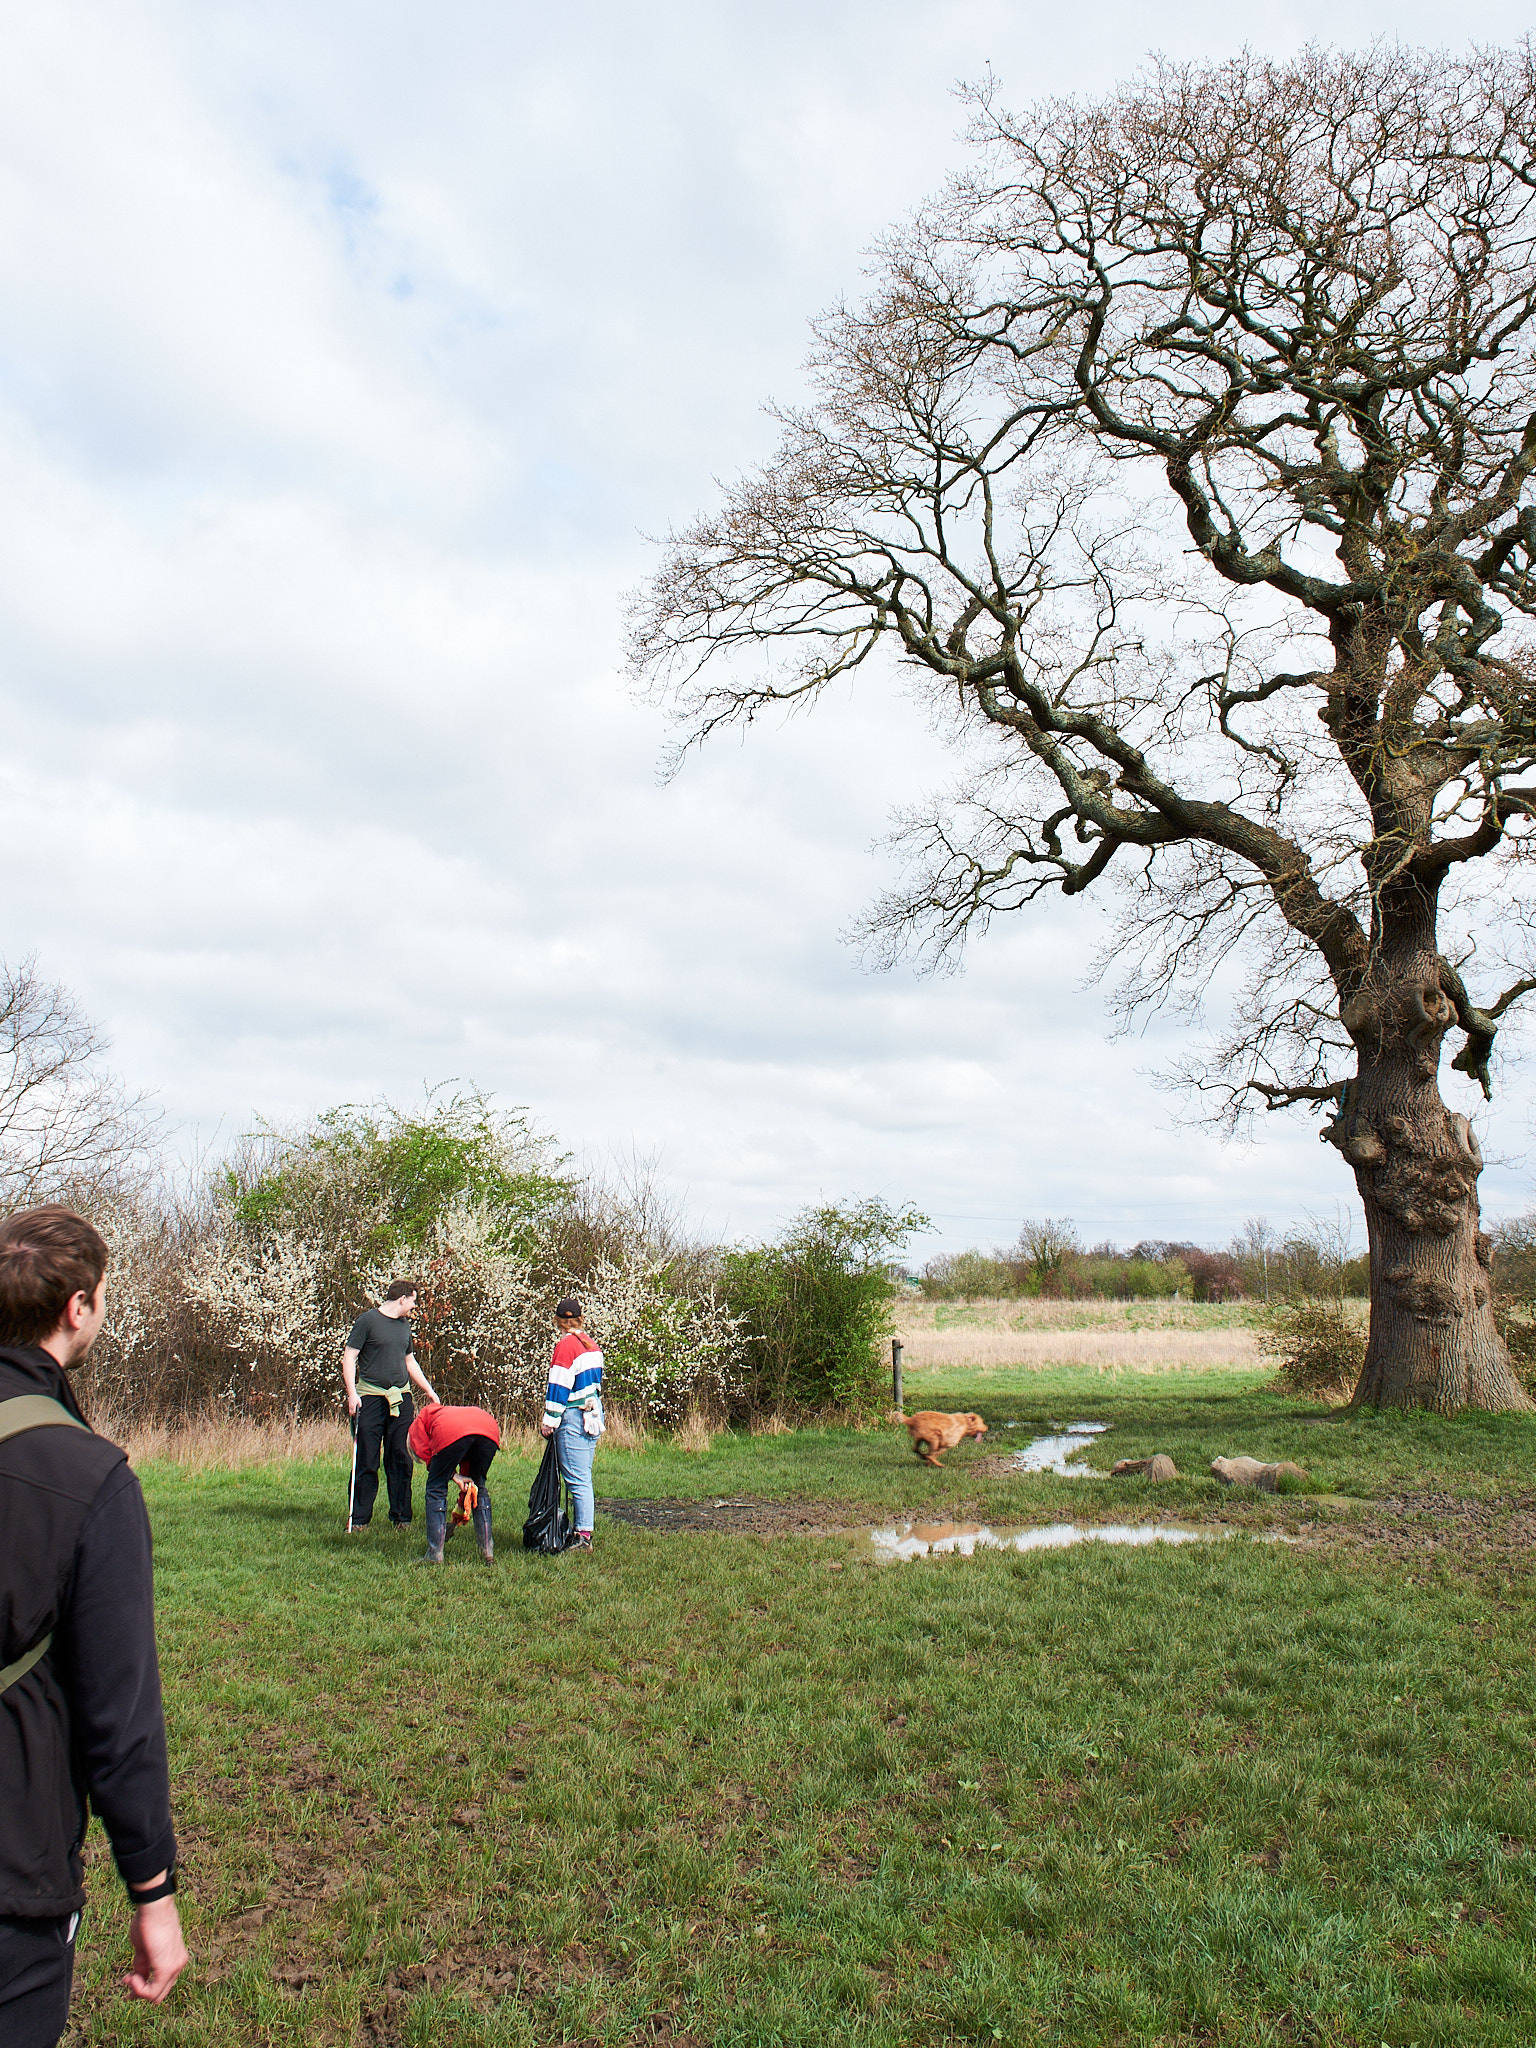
{"x": 34, "y": 1411}
{"x": 11, "y": 1672}
{"x": 31, "y": 1411}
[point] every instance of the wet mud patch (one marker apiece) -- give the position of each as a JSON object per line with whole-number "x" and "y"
{"x": 1497, "y": 1530}
{"x": 1462, "y": 1533}
{"x": 845, "y": 1518}
{"x": 897, "y": 1533}
{"x": 741, "y": 1516}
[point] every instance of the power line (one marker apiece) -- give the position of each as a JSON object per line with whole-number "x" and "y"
{"x": 965, "y": 1216}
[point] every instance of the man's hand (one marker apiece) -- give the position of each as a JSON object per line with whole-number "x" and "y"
{"x": 419, "y": 1380}
{"x": 354, "y": 1402}
{"x": 159, "y": 1953}
{"x": 546, "y": 1429}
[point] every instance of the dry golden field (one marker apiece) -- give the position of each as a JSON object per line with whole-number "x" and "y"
{"x": 1108, "y": 1336}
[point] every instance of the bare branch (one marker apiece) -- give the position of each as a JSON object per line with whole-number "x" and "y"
{"x": 68, "y": 1128}
{"x": 1281, "y": 1097}
{"x": 1182, "y": 452}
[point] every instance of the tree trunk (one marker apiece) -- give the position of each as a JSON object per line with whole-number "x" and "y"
{"x": 1433, "y": 1342}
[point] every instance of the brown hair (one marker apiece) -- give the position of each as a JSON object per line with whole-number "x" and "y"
{"x": 47, "y": 1256}
{"x": 397, "y": 1290}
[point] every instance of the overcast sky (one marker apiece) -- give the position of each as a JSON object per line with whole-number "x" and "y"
{"x": 348, "y": 354}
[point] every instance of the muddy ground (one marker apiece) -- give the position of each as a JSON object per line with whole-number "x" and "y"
{"x": 747, "y": 1517}
{"x": 1501, "y": 1527}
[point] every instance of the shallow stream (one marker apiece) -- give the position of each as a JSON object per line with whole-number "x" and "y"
{"x": 1050, "y": 1453}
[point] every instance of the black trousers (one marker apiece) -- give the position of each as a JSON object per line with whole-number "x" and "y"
{"x": 374, "y": 1430}
{"x": 470, "y": 1455}
{"x": 37, "y": 1967}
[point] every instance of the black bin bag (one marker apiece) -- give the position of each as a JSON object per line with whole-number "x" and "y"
{"x": 548, "y": 1527}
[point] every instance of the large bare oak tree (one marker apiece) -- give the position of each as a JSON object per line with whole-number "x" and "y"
{"x": 1183, "y": 448}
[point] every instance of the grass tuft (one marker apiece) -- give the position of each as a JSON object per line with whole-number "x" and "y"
{"x": 695, "y": 1434}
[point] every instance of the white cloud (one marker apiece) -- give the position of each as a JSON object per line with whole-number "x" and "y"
{"x": 346, "y": 353}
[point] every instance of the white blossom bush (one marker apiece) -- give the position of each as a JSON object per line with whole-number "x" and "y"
{"x": 136, "y": 1304}
{"x": 484, "y": 1324}
{"x": 241, "y": 1295}
{"x": 265, "y": 1302}
{"x": 198, "y": 1313}
{"x": 140, "y": 1340}
{"x": 482, "y": 1320}
{"x": 664, "y": 1353}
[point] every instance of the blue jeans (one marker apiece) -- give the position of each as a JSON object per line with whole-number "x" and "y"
{"x": 575, "y": 1452}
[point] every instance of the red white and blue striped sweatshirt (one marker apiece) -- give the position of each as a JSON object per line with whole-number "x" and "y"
{"x": 575, "y": 1376}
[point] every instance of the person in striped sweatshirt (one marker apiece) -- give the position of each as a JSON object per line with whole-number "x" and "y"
{"x": 573, "y": 1413}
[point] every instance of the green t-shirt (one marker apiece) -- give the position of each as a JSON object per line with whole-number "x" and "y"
{"x": 382, "y": 1344}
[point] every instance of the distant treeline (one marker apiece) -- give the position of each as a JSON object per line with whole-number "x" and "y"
{"x": 1311, "y": 1262}
{"x": 1049, "y": 1261}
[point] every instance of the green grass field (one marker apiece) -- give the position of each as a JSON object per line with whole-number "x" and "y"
{"x": 737, "y": 1788}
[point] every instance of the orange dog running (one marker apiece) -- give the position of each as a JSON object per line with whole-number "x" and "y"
{"x": 932, "y": 1431}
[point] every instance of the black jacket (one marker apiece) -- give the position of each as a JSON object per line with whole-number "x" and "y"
{"x": 85, "y": 1723}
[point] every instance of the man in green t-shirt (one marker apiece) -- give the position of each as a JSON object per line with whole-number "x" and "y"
{"x": 377, "y": 1369}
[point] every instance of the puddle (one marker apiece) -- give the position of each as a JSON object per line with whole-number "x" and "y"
{"x": 964, "y": 1539}
{"x": 1050, "y": 1453}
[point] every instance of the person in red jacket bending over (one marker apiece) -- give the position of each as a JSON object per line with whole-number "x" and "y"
{"x": 449, "y": 1440}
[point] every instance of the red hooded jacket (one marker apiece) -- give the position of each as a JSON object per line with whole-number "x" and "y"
{"x": 436, "y": 1428}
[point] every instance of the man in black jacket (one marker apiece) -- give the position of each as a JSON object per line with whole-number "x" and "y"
{"x": 80, "y": 1712}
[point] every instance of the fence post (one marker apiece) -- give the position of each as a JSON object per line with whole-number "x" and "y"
{"x": 896, "y": 1351}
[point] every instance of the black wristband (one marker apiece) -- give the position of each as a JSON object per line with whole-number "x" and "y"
{"x": 163, "y": 1890}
